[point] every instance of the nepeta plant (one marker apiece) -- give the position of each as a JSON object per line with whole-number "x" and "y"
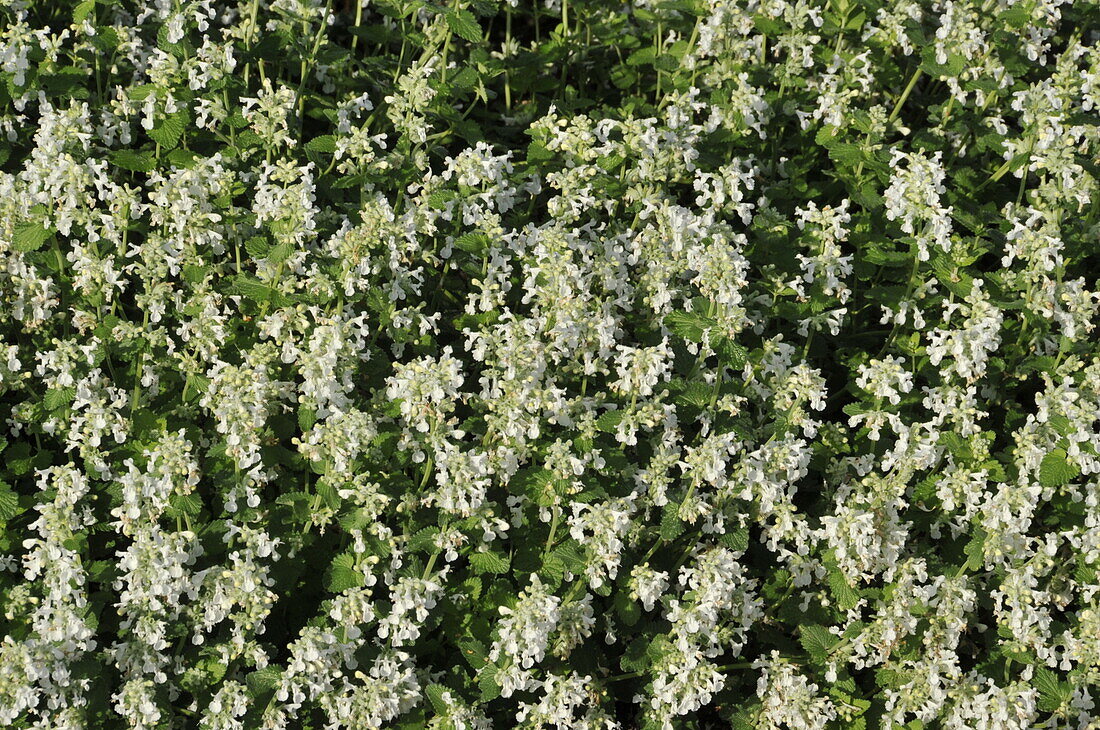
{"x": 569, "y": 364}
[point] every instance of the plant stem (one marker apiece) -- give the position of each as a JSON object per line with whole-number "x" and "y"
{"x": 904, "y": 95}
{"x": 358, "y": 22}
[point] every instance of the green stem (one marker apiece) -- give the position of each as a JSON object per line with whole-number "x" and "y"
{"x": 553, "y": 529}
{"x": 249, "y": 34}
{"x": 904, "y": 95}
{"x": 358, "y": 22}
{"x": 507, "y": 47}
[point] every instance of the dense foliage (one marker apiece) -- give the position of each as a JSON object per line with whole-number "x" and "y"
{"x": 676, "y": 364}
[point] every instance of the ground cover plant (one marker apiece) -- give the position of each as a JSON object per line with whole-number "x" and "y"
{"x": 579, "y": 364}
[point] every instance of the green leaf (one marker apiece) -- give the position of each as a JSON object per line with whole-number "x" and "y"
{"x": 635, "y": 658}
{"x": 627, "y": 609}
{"x": 845, "y": 595}
{"x": 688, "y": 325}
{"x": 18, "y": 458}
{"x": 1056, "y": 470}
{"x": 167, "y": 134}
{"x": 82, "y": 11}
{"x": 263, "y": 680}
{"x": 975, "y": 550}
{"x": 487, "y": 681}
{"x": 424, "y": 540}
{"x": 58, "y": 398}
{"x": 256, "y": 291}
{"x": 955, "y": 64}
{"x": 609, "y": 421}
{"x": 307, "y": 418}
{"x": 464, "y": 24}
{"x": 731, "y": 353}
{"x": 280, "y": 253}
{"x": 671, "y": 524}
{"x": 695, "y": 394}
{"x": 1053, "y": 693}
{"x": 642, "y": 57}
{"x": 325, "y": 143}
{"x": 475, "y": 243}
{"x": 343, "y": 574}
{"x": 251, "y": 288}
{"x": 257, "y": 247}
{"x": 474, "y": 652}
{"x": 817, "y": 641}
{"x": 440, "y": 198}
{"x": 9, "y": 503}
{"x": 736, "y": 540}
{"x": 132, "y": 161}
{"x": 1016, "y": 17}
{"x": 489, "y": 562}
{"x": 185, "y": 504}
{"x": 434, "y": 693}
{"x": 571, "y": 555}
{"x": 30, "y": 237}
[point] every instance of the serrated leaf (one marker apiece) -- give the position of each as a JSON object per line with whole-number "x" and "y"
{"x": 609, "y": 421}
{"x": 695, "y": 394}
{"x": 737, "y": 540}
{"x": 82, "y": 11}
{"x": 424, "y": 540}
{"x": 255, "y": 290}
{"x": 475, "y": 243}
{"x": 487, "y": 681}
{"x": 440, "y": 198}
{"x": 658, "y": 648}
{"x": 434, "y": 693}
{"x": 168, "y": 132}
{"x": 671, "y": 524}
{"x": 731, "y": 353}
{"x": 635, "y": 658}
{"x": 1053, "y": 692}
{"x": 1056, "y": 470}
{"x": 343, "y": 574}
{"x": 688, "y": 325}
{"x": 845, "y": 595}
{"x": 1016, "y": 17}
{"x": 131, "y": 160}
{"x": 30, "y": 237}
{"x": 627, "y": 609}
{"x": 307, "y": 418}
{"x": 489, "y": 562}
{"x": 194, "y": 274}
{"x": 474, "y": 652}
{"x": 571, "y": 555}
{"x": 251, "y": 288}
{"x": 817, "y": 641}
{"x": 464, "y": 24}
{"x": 181, "y": 158}
{"x": 58, "y": 398}
{"x": 9, "y": 504}
{"x": 280, "y": 253}
{"x": 975, "y": 550}
{"x": 257, "y": 247}
{"x": 263, "y": 680}
{"x": 325, "y": 143}
{"x": 954, "y": 66}
{"x": 185, "y": 504}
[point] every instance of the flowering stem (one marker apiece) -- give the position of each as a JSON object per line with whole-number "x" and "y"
{"x": 358, "y": 22}
{"x": 553, "y": 529}
{"x": 507, "y": 47}
{"x": 249, "y": 34}
{"x": 904, "y": 95}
